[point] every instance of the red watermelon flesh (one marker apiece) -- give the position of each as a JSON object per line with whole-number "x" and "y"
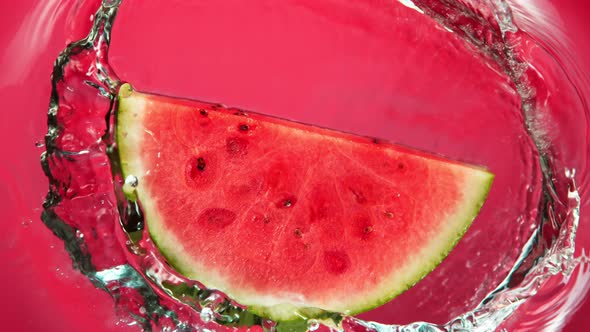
{"x": 286, "y": 218}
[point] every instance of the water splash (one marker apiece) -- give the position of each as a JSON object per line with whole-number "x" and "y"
{"x": 107, "y": 240}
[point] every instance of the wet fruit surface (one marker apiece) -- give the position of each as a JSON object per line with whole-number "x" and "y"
{"x": 312, "y": 215}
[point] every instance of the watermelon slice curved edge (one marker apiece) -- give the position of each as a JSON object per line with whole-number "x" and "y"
{"x": 288, "y": 219}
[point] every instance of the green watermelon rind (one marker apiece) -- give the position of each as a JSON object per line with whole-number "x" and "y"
{"x": 172, "y": 250}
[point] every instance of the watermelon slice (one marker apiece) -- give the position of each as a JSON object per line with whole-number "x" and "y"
{"x": 289, "y": 219}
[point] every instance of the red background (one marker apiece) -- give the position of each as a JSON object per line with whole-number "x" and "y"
{"x": 40, "y": 291}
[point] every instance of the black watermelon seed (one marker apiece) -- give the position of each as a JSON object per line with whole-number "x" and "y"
{"x": 201, "y": 164}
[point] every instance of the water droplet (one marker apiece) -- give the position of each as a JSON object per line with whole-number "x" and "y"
{"x": 313, "y": 325}
{"x": 142, "y": 310}
{"x": 39, "y": 144}
{"x": 26, "y": 222}
{"x": 206, "y": 315}
{"x": 79, "y": 234}
{"x": 132, "y": 181}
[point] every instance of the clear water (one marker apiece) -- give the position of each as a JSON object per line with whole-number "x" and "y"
{"x": 469, "y": 84}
